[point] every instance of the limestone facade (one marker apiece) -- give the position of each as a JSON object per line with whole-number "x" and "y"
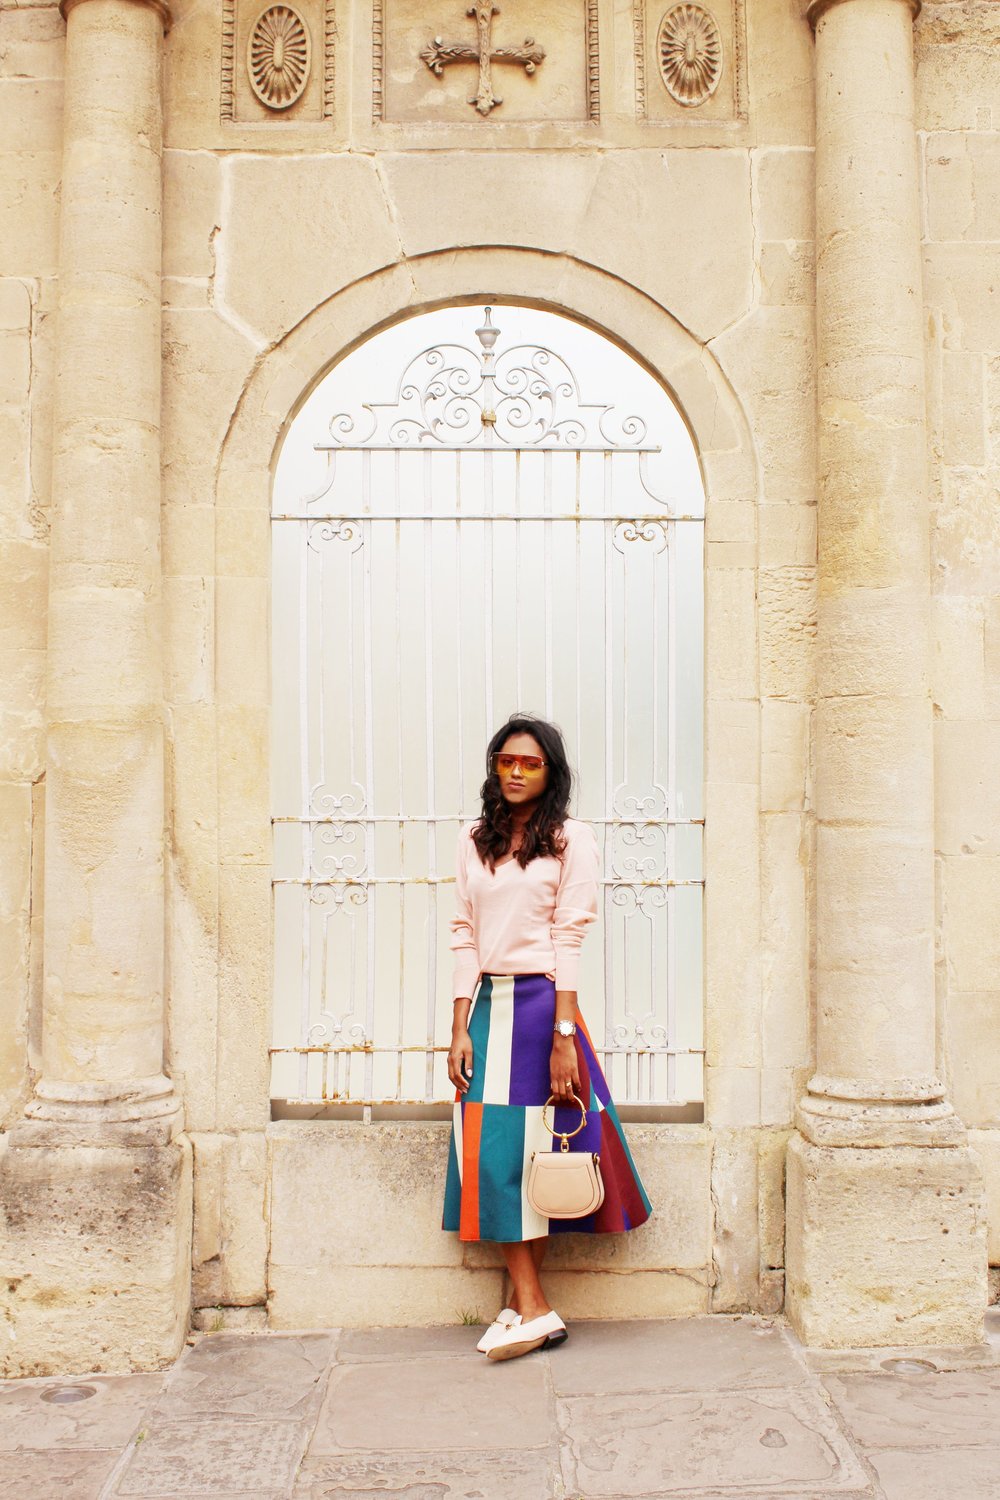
{"x": 850, "y": 447}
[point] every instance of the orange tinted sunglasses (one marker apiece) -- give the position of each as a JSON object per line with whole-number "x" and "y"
{"x": 531, "y": 765}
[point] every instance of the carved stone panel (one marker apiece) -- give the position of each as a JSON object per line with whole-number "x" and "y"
{"x": 277, "y": 60}
{"x": 689, "y": 60}
{"x": 453, "y": 62}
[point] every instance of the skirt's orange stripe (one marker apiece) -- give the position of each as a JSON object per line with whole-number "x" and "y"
{"x": 472, "y": 1123}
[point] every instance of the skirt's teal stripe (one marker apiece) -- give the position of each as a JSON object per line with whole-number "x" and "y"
{"x": 479, "y": 1031}
{"x": 501, "y": 1154}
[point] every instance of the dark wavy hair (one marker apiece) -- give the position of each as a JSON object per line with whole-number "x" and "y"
{"x": 543, "y": 833}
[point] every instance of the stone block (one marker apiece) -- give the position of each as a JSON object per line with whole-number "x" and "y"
{"x": 732, "y": 1096}
{"x": 785, "y": 937}
{"x": 963, "y": 185}
{"x": 971, "y": 887}
{"x": 972, "y": 1023}
{"x": 344, "y": 1296}
{"x": 15, "y": 364}
{"x": 965, "y": 533}
{"x": 735, "y": 1194}
{"x": 15, "y": 942}
{"x": 192, "y": 187}
{"x": 787, "y": 274}
{"x": 732, "y": 926}
{"x": 885, "y": 1246}
{"x": 312, "y": 247}
{"x": 244, "y": 997}
{"x": 787, "y": 627}
{"x": 732, "y": 740}
{"x": 107, "y": 1419}
{"x": 205, "y": 364}
{"x": 966, "y": 792}
{"x": 730, "y": 632}
{"x": 784, "y": 182}
{"x": 770, "y": 356}
{"x": 784, "y": 757}
{"x": 32, "y": 43}
{"x": 95, "y": 1245}
{"x": 29, "y": 228}
{"x": 71, "y": 1474}
{"x": 957, "y": 68}
{"x": 189, "y": 658}
{"x": 780, "y": 75}
{"x": 986, "y": 1145}
{"x": 959, "y": 282}
{"x": 787, "y": 535}
{"x": 959, "y": 643}
{"x": 772, "y": 1146}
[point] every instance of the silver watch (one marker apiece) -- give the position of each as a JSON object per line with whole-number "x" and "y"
{"x": 565, "y": 1028}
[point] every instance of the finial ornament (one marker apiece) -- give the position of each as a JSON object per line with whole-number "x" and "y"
{"x": 816, "y": 9}
{"x": 160, "y": 6}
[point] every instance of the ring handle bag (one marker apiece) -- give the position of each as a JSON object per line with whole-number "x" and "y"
{"x": 565, "y": 1184}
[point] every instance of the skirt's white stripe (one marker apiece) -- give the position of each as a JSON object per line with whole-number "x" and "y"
{"x": 496, "y": 1084}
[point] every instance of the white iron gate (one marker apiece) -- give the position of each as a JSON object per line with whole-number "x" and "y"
{"x": 486, "y": 542}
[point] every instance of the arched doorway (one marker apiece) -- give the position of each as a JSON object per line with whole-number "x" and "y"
{"x": 473, "y": 514}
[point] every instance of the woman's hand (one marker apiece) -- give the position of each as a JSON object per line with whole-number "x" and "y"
{"x": 460, "y": 1058}
{"x": 564, "y": 1069}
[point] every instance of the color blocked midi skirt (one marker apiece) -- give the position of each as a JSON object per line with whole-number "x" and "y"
{"x": 498, "y": 1123}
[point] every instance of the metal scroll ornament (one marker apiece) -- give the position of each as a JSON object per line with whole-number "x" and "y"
{"x": 689, "y": 49}
{"x": 278, "y": 55}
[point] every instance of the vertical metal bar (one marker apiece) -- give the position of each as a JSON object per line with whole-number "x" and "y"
{"x": 547, "y": 588}
{"x": 488, "y": 585}
{"x": 431, "y": 789}
{"x": 371, "y": 904}
{"x": 609, "y": 530}
{"x": 672, "y": 808}
{"x": 579, "y": 617}
{"x": 397, "y": 588}
{"x": 518, "y": 542}
{"x": 305, "y": 800}
{"x": 460, "y": 737}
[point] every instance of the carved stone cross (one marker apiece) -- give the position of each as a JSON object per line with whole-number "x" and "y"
{"x": 438, "y": 54}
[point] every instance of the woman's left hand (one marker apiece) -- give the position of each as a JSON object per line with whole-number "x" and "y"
{"x": 564, "y": 1069}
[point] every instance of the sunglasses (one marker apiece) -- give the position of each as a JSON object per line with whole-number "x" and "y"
{"x": 531, "y": 765}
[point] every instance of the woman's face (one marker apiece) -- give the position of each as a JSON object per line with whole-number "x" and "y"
{"x": 521, "y": 785}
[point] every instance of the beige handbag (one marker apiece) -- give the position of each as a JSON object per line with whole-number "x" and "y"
{"x": 565, "y": 1184}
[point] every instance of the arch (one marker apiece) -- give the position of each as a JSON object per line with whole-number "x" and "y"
{"x": 280, "y": 382}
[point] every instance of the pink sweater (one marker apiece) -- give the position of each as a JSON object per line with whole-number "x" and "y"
{"x": 529, "y": 921}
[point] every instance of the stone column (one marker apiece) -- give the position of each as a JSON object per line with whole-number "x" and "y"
{"x": 101, "y": 1139}
{"x": 885, "y": 1233}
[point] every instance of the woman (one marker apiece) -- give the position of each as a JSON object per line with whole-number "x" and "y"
{"x": 526, "y": 891}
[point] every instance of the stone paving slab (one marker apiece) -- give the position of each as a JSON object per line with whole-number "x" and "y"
{"x": 270, "y": 1375}
{"x": 66, "y": 1474}
{"x": 652, "y": 1444}
{"x": 437, "y": 1405}
{"x": 202, "y": 1455}
{"x": 366, "y": 1345}
{"x": 504, "y": 1474}
{"x": 106, "y": 1419}
{"x": 675, "y": 1354}
{"x": 958, "y": 1474}
{"x": 960, "y": 1408}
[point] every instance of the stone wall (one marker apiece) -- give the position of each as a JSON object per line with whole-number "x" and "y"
{"x": 958, "y": 75}
{"x": 289, "y": 238}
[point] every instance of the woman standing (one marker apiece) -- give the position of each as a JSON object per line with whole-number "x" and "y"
{"x": 526, "y": 891}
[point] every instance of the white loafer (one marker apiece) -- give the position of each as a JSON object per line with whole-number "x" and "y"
{"x": 538, "y": 1333}
{"x": 505, "y": 1318}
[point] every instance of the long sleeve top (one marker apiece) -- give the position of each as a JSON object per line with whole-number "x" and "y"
{"x": 524, "y": 921}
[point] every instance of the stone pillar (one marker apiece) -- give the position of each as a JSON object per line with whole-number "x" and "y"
{"x": 95, "y": 1184}
{"x": 885, "y": 1219}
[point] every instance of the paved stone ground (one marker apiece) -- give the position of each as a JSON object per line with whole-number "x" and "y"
{"x": 713, "y": 1408}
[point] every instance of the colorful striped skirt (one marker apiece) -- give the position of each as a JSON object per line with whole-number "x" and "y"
{"x": 498, "y": 1123}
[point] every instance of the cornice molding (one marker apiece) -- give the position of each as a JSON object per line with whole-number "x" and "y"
{"x": 815, "y": 9}
{"x": 161, "y": 7}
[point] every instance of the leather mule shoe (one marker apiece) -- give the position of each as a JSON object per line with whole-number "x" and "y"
{"x": 538, "y": 1333}
{"x": 505, "y": 1318}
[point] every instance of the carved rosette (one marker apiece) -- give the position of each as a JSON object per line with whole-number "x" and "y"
{"x": 689, "y": 50}
{"x": 278, "y": 56}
